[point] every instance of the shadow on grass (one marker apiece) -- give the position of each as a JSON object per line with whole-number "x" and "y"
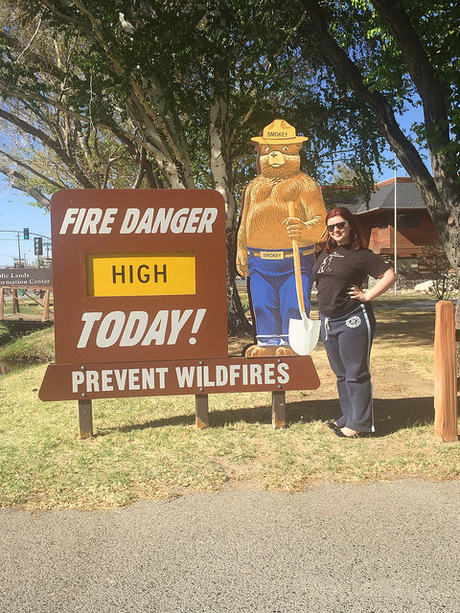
{"x": 412, "y": 328}
{"x": 390, "y": 415}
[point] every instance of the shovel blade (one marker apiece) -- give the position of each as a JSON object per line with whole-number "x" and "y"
{"x": 303, "y": 335}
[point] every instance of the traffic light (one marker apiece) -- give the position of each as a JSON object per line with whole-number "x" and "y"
{"x": 38, "y": 245}
{"x": 26, "y": 234}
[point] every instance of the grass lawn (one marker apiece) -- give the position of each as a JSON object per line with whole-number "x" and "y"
{"x": 149, "y": 448}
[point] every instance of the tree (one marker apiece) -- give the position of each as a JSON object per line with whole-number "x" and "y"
{"x": 433, "y": 258}
{"x": 158, "y": 95}
{"x": 389, "y": 52}
{"x": 168, "y": 95}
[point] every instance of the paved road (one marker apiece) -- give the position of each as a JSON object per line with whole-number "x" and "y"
{"x": 390, "y": 547}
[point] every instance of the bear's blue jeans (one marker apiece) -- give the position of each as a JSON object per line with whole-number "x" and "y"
{"x": 274, "y": 296}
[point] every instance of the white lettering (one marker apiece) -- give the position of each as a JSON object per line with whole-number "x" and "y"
{"x": 283, "y": 372}
{"x": 134, "y": 329}
{"x": 137, "y": 323}
{"x": 110, "y": 329}
{"x": 145, "y": 224}
{"x": 78, "y": 378}
{"x": 255, "y": 375}
{"x": 234, "y": 373}
{"x": 133, "y": 379}
{"x": 178, "y": 221}
{"x": 92, "y": 218}
{"x": 108, "y": 219}
{"x": 192, "y": 220}
{"x": 120, "y": 378}
{"x": 162, "y": 375}
{"x": 162, "y": 221}
{"x": 178, "y": 321}
{"x": 130, "y": 221}
{"x": 187, "y": 221}
{"x": 89, "y": 320}
{"x": 157, "y": 330}
{"x": 209, "y": 217}
{"x": 107, "y": 380}
{"x": 185, "y": 376}
{"x": 86, "y": 221}
{"x": 92, "y": 381}
{"x": 269, "y": 373}
{"x": 207, "y": 382}
{"x": 221, "y": 376}
{"x": 69, "y": 218}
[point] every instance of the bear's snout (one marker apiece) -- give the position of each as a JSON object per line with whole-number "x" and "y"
{"x": 276, "y": 158}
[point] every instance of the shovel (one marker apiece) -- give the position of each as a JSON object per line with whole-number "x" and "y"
{"x": 303, "y": 333}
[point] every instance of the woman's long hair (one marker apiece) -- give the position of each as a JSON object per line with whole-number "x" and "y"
{"x": 357, "y": 241}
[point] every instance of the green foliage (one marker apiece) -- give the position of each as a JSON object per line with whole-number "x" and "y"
{"x": 433, "y": 258}
{"x": 35, "y": 347}
{"x": 180, "y": 57}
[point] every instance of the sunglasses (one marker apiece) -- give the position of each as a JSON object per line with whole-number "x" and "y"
{"x": 340, "y": 226}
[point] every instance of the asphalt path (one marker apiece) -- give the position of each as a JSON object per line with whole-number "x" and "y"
{"x": 386, "y": 547}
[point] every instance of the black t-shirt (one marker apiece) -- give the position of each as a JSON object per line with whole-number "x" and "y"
{"x": 335, "y": 272}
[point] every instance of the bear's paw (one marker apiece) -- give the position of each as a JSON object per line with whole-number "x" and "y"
{"x": 285, "y": 350}
{"x": 256, "y": 351}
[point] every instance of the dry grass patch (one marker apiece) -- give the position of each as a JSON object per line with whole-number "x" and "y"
{"x": 149, "y": 448}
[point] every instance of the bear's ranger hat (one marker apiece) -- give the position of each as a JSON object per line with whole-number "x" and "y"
{"x": 279, "y": 132}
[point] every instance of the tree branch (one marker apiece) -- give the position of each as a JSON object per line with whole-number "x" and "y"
{"x": 52, "y": 144}
{"x": 418, "y": 64}
{"x": 317, "y": 30}
{"x": 18, "y": 181}
{"x": 32, "y": 170}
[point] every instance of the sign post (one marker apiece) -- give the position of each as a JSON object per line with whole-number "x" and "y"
{"x": 140, "y": 302}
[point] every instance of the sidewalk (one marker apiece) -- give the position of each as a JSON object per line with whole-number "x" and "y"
{"x": 387, "y": 547}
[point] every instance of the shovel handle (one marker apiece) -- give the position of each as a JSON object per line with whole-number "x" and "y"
{"x": 297, "y": 271}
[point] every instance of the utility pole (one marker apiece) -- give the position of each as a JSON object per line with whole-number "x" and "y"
{"x": 19, "y": 250}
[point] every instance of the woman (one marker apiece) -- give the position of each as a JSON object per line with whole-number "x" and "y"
{"x": 347, "y": 317}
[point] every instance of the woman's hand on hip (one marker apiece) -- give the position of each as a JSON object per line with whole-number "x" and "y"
{"x": 357, "y": 293}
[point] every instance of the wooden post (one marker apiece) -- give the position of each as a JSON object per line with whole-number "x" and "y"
{"x": 201, "y": 411}
{"x": 46, "y": 306}
{"x": 15, "y": 301}
{"x": 445, "y": 374}
{"x": 2, "y": 302}
{"x": 85, "y": 411}
{"x": 278, "y": 410}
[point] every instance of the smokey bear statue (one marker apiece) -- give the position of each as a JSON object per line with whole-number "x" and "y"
{"x": 267, "y": 232}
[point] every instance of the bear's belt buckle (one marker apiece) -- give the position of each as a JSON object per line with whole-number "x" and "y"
{"x": 272, "y": 255}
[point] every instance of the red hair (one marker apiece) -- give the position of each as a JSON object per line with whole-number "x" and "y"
{"x": 357, "y": 241}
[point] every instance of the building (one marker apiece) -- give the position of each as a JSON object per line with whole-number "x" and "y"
{"x": 414, "y": 227}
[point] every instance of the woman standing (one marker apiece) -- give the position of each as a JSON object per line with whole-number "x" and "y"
{"x": 347, "y": 317}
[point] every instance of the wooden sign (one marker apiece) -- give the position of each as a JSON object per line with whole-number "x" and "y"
{"x": 140, "y": 301}
{"x": 26, "y": 277}
{"x": 139, "y": 275}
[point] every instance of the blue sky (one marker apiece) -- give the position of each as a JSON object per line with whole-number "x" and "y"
{"x": 16, "y": 214}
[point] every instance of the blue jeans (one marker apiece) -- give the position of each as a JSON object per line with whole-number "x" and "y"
{"x": 274, "y": 296}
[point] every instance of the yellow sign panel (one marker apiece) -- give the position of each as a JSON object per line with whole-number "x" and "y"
{"x": 171, "y": 274}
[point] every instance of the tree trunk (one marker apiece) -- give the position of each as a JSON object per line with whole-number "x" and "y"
{"x": 237, "y": 323}
{"x": 222, "y": 180}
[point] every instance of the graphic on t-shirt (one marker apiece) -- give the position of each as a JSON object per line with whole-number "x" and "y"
{"x": 326, "y": 263}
